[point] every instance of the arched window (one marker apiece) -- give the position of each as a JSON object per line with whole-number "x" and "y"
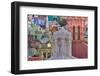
{"x": 73, "y": 32}
{"x": 78, "y": 32}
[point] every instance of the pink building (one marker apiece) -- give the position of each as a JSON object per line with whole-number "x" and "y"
{"x": 78, "y": 25}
